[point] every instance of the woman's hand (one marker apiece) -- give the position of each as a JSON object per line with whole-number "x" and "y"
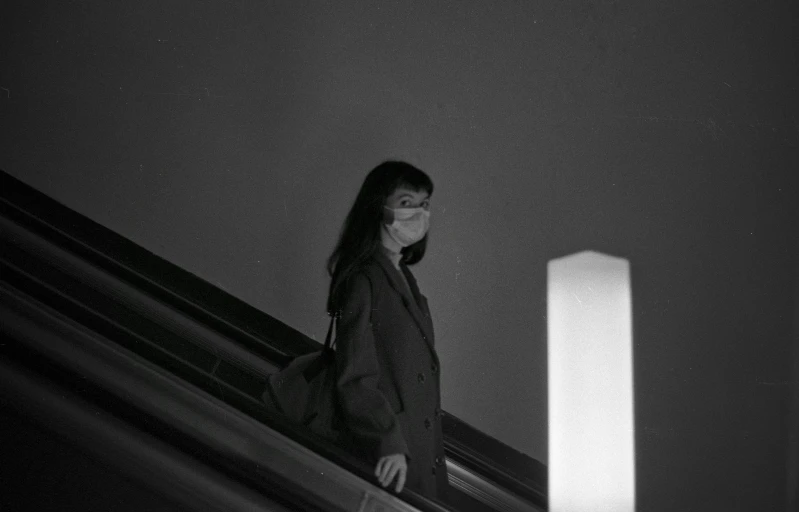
{"x": 390, "y": 466}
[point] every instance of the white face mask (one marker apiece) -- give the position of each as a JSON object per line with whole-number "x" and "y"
{"x": 409, "y": 226}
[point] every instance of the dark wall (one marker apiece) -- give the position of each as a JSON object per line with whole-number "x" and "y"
{"x": 231, "y": 138}
{"x": 793, "y": 422}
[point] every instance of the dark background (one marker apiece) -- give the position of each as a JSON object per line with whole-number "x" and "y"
{"x": 231, "y": 138}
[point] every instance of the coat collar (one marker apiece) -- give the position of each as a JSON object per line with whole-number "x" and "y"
{"x": 413, "y": 303}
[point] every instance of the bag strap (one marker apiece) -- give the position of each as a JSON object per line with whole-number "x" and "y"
{"x": 329, "y": 337}
{"x": 325, "y": 357}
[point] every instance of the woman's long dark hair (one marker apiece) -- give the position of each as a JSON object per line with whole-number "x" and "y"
{"x": 360, "y": 237}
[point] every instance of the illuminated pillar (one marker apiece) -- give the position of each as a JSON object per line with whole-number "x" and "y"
{"x": 591, "y": 427}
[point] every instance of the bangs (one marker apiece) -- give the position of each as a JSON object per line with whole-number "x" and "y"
{"x": 414, "y": 179}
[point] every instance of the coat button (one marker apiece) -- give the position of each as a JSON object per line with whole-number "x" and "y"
{"x": 434, "y": 367}
{"x": 420, "y": 377}
{"x": 439, "y": 460}
{"x": 427, "y": 423}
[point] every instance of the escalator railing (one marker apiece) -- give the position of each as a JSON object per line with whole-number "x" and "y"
{"x": 59, "y": 262}
{"x": 59, "y": 369}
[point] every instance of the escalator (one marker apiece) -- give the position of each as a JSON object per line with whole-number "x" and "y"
{"x": 158, "y": 374}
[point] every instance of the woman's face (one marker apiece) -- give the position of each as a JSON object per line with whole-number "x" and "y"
{"x": 406, "y": 198}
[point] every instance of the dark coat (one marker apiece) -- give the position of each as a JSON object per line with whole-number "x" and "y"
{"x": 388, "y": 374}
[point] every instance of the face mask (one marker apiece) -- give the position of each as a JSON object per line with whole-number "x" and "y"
{"x": 409, "y": 226}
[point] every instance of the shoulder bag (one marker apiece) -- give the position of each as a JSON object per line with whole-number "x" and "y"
{"x": 304, "y": 391}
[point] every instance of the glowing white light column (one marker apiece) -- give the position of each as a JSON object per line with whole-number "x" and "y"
{"x": 591, "y": 436}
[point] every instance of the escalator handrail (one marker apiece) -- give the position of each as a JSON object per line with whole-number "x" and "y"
{"x": 259, "y": 440}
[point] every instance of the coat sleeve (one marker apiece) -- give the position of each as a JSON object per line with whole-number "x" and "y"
{"x": 365, "y": 408}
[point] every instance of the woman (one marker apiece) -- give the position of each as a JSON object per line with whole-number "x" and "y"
{"x": 388, "y": 370}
